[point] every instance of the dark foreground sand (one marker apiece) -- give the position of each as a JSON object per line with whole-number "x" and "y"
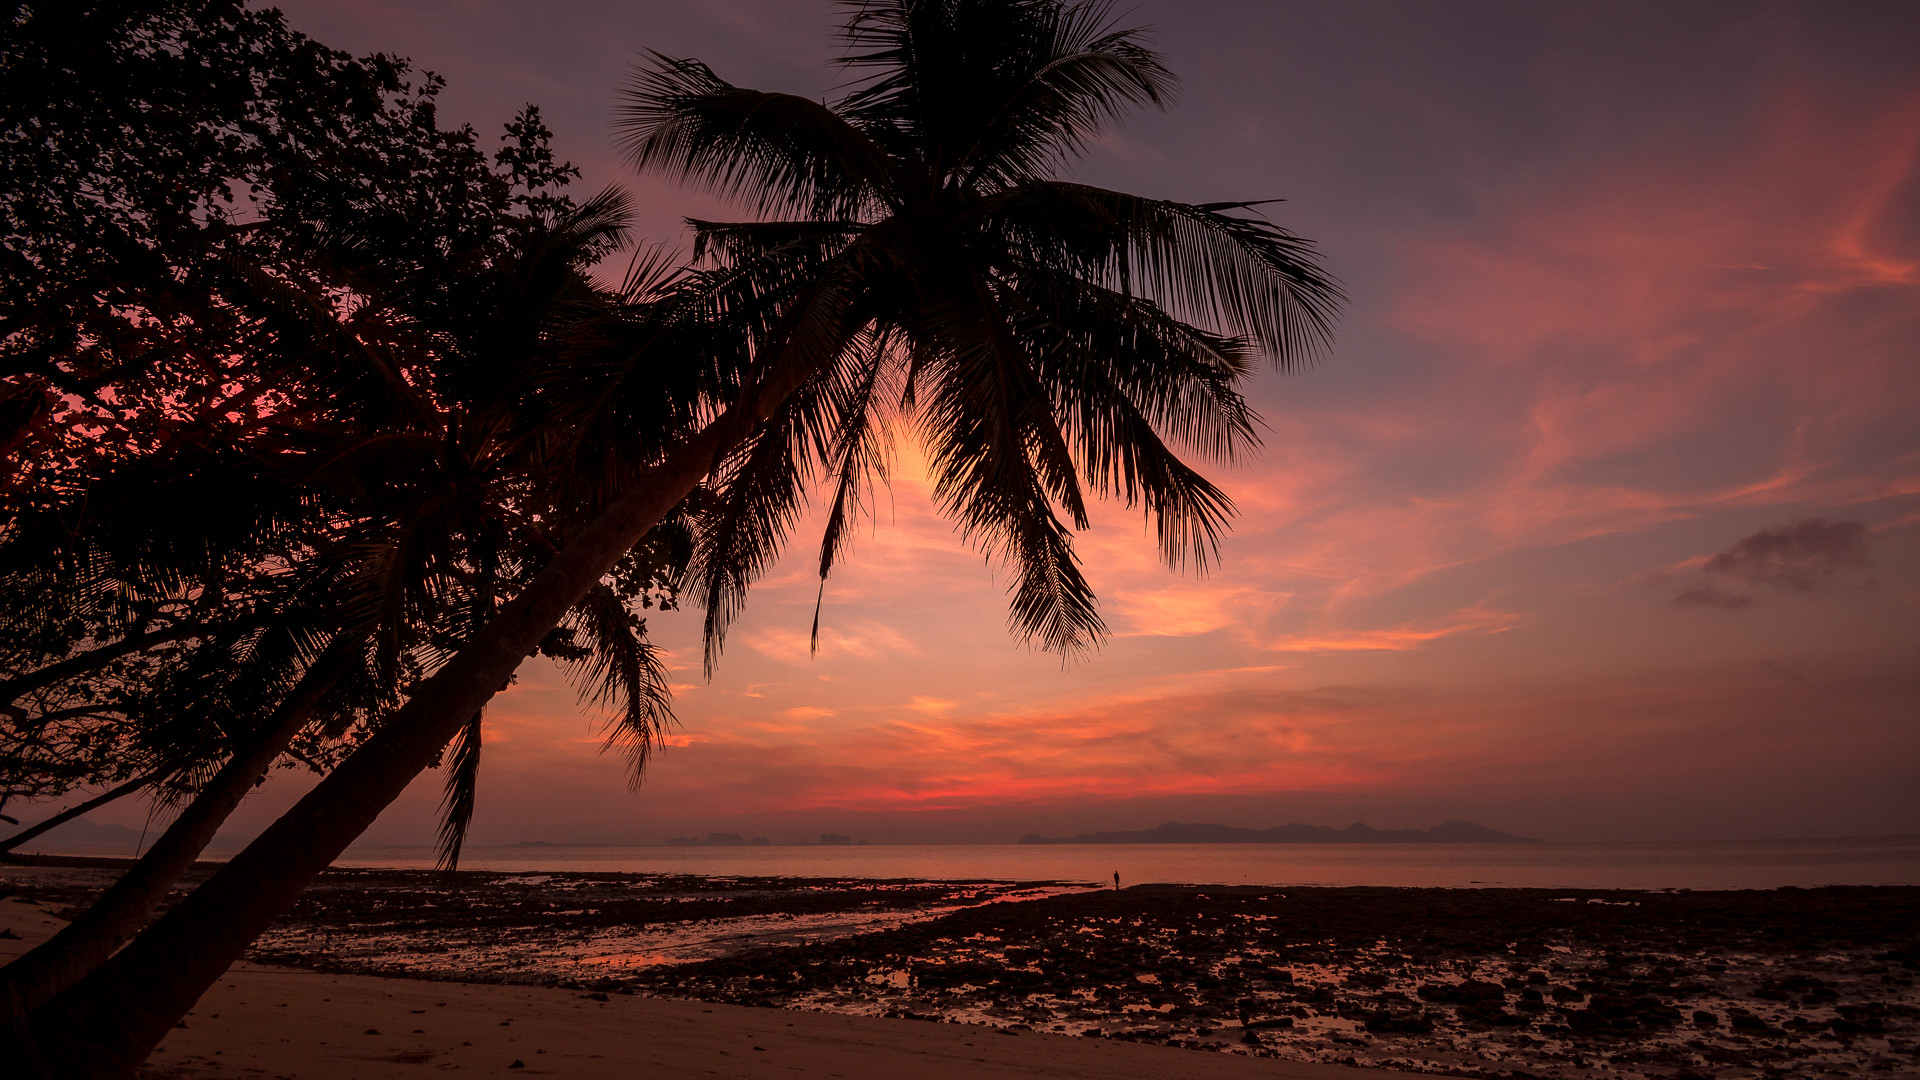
{"x": 1515, "y": 984}
{"x": 275, "y": 1022}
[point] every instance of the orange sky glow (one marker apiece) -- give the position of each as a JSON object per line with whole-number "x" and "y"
{"x": 1633, "y": 305}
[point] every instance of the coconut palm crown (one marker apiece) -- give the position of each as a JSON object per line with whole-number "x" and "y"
{"x": 1044, "y": 339}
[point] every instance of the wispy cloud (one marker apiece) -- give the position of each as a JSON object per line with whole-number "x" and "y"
{"x": 1579, "y": 350}
{"x": 1477, "y": 620}
{"x": 1712, "y": 596}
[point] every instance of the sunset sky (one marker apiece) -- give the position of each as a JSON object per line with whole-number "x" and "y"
{"x": 1602, "y": 521}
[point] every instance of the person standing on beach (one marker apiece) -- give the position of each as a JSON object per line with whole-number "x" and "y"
{"x": 1116, "y": 881}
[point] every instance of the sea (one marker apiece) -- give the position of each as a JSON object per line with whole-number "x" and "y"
{"x": 1757, "y": 864}
{"x": 1743, "y": 864}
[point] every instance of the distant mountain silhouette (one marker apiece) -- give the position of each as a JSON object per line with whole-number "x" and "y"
{"x": 716, "y": 839}
{"x": 83, "y": 832}
{"x": 1173, "y": 832}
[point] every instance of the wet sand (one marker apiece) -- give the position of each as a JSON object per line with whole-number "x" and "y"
{"x": 275, "y": 1022}
{"x": 1567, "y": 984}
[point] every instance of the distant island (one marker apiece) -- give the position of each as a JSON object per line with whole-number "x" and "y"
{"x": 731, "y": 839}
{"x": 717, "y": 839}
{"x": 1173, "y": 832}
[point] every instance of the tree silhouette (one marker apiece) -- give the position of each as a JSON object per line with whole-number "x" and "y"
{"x": 910, "y": 261}
{"x": 281, "y": 475}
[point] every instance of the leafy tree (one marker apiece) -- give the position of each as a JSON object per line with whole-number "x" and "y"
{"x": 271, "y": 321}
{"x": 168, "y": 169}
{"x": 197, "y": 200}
{"x": 912, "y": 261}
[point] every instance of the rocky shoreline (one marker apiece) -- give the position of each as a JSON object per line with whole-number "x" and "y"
{"x": 1479, "y": 982}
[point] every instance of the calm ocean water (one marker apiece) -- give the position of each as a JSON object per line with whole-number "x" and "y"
{"x": 1744, "y": 865}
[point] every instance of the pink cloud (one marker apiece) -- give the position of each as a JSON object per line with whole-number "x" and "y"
{"x": 1603, "y": 376}
{"x": 1676, "y": 343}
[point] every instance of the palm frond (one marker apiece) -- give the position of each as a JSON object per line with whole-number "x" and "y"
{"x": 737, "y": 242}
{"x": 623, "y": 675}
{"x": 1119, "y": 372}
{"x": 760, "y": 490}
{"x": 1243, "y": 276}
{"x": 462, "y": 761}
{"x": 599, "y": 225}
{"x": 1000, "y": 462}
{"x": 999, "y": 90}
{"x": 861, "y": 448}
{"x": 777, "y": 152}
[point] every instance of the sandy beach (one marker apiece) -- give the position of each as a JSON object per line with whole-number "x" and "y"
{"x": 280, "y": 1023}
{"x": 396, "y": 969}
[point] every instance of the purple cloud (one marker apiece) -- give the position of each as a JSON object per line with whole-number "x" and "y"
{"x": 1802, "y": 556}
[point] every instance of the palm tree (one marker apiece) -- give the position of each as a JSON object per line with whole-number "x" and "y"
{"x": 1043, "y": 338}
{"x": 911, "y": 262}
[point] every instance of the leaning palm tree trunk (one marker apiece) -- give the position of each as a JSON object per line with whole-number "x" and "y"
{"x": 106, "y": 1025}
{"x": 122, "y": 910}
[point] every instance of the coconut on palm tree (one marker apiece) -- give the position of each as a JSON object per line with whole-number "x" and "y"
{"x": 910, "y": 261}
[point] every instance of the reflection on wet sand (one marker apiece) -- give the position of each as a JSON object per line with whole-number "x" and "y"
{"x": 1573, "y": 984}
{"x": 570, "y": 927}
